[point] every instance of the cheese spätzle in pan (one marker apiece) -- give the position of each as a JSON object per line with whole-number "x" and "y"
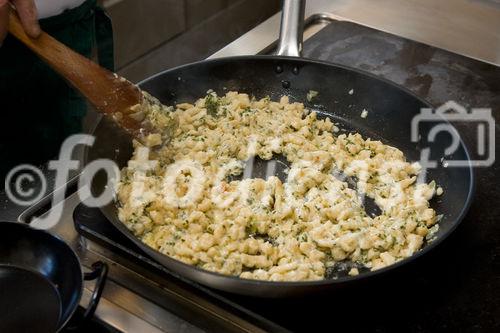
{"x": 182, "y": 198}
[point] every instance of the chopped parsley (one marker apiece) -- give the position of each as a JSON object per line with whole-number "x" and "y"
{"x": 212, "y": 103}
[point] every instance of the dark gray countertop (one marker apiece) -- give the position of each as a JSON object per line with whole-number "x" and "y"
{"x": 455, "y": 287}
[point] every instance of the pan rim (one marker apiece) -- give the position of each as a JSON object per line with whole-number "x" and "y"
{"x": 365, "y": 275}
{"x": 62, "y": 321}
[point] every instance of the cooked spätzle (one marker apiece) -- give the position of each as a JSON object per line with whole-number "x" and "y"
{"x": 180, "y": 199}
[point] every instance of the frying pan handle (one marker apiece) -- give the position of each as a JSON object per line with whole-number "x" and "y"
{"x": 99, "y": 273}
{"x": 292, "y": 28}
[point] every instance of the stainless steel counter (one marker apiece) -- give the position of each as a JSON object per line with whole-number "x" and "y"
{"x": 467, "y": 27}
{"x": 136, "y": 299}
{"x": 119, "y": 307}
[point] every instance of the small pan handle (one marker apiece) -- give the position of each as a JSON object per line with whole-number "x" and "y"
{"x": 99, "y": 273}
{"x": 292, "y": 28}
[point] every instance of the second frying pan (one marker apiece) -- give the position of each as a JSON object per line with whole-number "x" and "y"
{"x": 41, "y": 281}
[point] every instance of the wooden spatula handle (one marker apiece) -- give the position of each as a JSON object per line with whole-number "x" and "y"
{"x": 108, "y": 92}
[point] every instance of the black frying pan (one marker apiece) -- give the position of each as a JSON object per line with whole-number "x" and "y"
{"x": 391, "y": 110}
{"x": 41, "y": 280}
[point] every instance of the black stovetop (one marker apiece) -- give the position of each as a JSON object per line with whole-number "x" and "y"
{"x": 456, "y": 286}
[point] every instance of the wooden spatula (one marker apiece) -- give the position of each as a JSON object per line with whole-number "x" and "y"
{"x": 108, "y": 92}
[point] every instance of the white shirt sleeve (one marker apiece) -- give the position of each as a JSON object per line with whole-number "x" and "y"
{"x": 47, "y": 8}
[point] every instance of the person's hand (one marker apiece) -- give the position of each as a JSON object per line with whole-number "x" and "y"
{"x": 28, "y": 15}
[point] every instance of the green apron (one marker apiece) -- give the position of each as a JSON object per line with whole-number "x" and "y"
{"x": 38, "y": 109}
